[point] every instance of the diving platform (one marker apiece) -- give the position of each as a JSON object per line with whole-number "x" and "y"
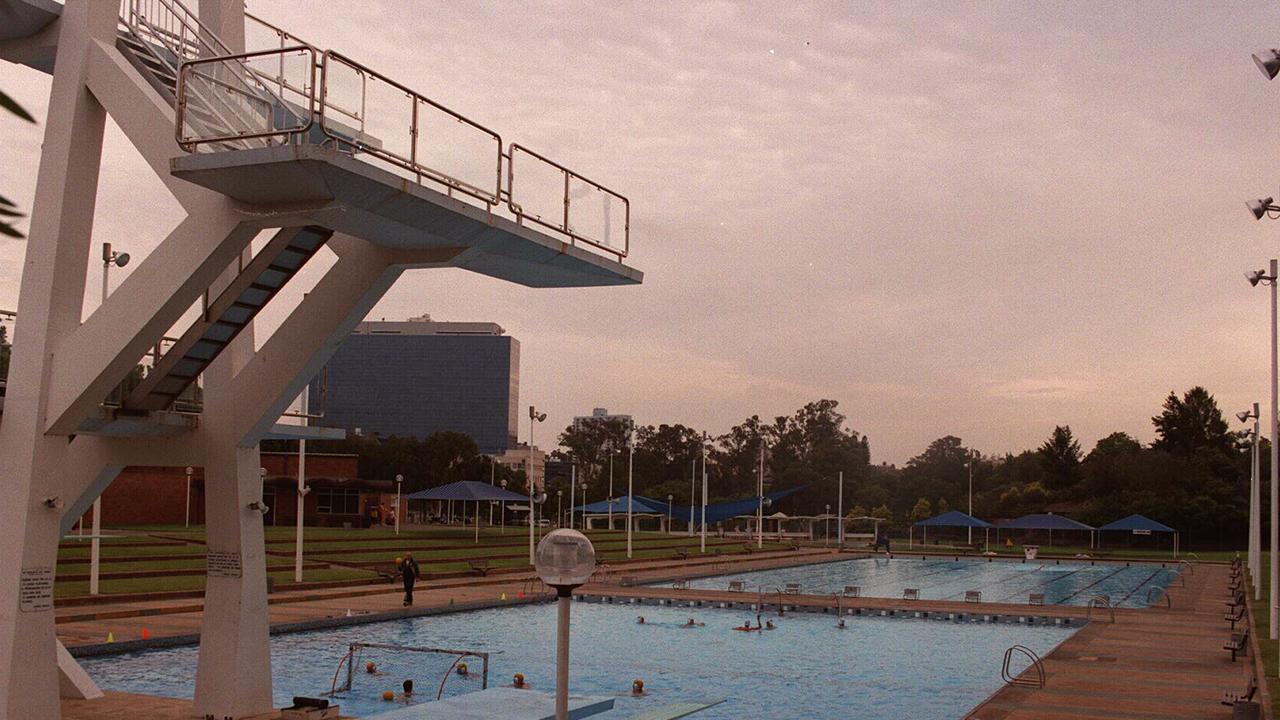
{"x": 507, "y": 703}
{"x": 341, "y": 192}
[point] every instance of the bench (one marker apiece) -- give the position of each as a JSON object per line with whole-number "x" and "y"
{"x": 682, "y": 555}
{"x": 1035, "y": 599}
{"x": 680, "y": 585}
{"x": 1250, "y": 689}
{"x": 737, "y": 586}
{"x": 1237, "y": 644}
{"x": 482, "y": 567}
{"x": 911, "y": 593}
{"x": 748, "y": 548}
{"x": 1237, "y": 600}
{"x": 973, "y": 596}
{"x": 852, "y": 591}
{"x": 1235, "y": 616}
{"x": 792, "y": 589}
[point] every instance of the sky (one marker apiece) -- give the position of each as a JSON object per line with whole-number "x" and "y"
{"x": 976, "y": 219}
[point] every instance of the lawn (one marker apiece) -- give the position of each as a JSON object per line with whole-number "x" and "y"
{"x": 1270, "y": 649}
{"x": 429, "y": 546}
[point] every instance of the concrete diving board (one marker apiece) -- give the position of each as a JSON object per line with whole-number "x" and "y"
{"x": 676, "y": 710}
{"x": 321, "y": 186}
{"x": 502, "y": 703}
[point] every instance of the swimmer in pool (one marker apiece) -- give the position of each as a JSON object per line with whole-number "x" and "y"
{"x": 639, "y": 619}
{"x": 768, "y": 625}
{"x": 840, "y": 624}
{"x": 691, "y": 623}
{"x": 746, "y": 627}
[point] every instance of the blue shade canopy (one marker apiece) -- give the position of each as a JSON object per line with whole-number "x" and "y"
{"x": 1137, "y": 522}
{"x": 715, "y": 513}
{"x": 1044, "y": 521}
{"x": 639, "y": 504}
{"x": 467, "y": 491}
{"x": 955, "y": 518}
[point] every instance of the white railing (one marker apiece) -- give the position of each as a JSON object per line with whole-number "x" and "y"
{"x": 298, "y": 93}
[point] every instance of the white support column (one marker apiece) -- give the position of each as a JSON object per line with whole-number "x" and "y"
{"x": 50, "y": 300}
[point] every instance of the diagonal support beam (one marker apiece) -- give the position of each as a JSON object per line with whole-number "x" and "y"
{"x": 326, "y": 316}
{"x": 247, "y": 294}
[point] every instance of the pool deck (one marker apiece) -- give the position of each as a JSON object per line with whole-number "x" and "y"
{"x": 1157, "y": 663}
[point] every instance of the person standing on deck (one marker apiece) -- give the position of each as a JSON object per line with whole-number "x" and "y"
{"x": 410, "y": 571}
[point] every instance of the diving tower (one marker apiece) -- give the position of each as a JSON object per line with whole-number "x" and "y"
{"x": 254, "y": 132}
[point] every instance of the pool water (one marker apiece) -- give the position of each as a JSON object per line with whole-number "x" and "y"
{"x": 1067, "y": 583}
{"x": 875, "y": 669}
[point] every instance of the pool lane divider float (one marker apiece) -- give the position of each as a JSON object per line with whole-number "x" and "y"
{"x": 896, "y": 613}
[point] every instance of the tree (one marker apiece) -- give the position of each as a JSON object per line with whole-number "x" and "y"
{"x": 590, "y": 442}
{"x": 8, "y": 210}
{"x": 922, "y": 510}
{"x": 943, "y": 506}
{"x": 1060, "y": 455}
{"x": 1191, "y": 424}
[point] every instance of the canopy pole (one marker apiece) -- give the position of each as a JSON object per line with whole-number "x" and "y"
{"x": 986, "y": 538}
{"x": 911, "y": 532}
{"x": 477, "y": 522}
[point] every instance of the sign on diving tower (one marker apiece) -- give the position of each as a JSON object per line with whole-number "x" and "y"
{"x": 310, "y": 146}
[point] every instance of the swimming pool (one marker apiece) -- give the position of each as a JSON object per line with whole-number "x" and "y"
{"x": 1068, "y": 583}
{"x": 876, "y": 669}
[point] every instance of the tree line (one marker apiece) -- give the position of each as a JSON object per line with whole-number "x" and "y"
{"x": 1193, "y": 477}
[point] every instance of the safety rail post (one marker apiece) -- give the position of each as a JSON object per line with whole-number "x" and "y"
{"x": 1103, "y": 602}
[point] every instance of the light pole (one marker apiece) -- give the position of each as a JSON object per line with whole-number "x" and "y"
{"x": 1255, "y": 277}
{"x": 826, "y": 527}
{"x": 760, "y": 502}
{"x": 612, "y": 452}
{"x": 503, "y": 508}
{"x": 584, "y": 506}
{"x": 109, "y": 258}
{"x": 840, "y": 512}
{"x": 573, "y": 477}
{"x": 492, "y": 465}
{"x": 399, "y": 482}
{"x": 670, "y": 497}
{"x": 187, "y": 521}
{"x": 565, "y": 561}
{"x": 631, "y": 455}
{"x": 704, "y": 493}
{"x": 1255, "y": 498}
{"x": 534, "y": 417}
{"x": 693, "y": 500}
{"x": 560, "y": 510}
{"x": 969, "y": 465}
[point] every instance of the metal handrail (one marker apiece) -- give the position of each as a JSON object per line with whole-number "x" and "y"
{"x": 1036, "y": 663}
{"x": 566, "y": 227}
{"x": 1190, "y": 567}
{"x": 1100, "y": 601}
{"x": 760, "y": 598}
{"x": 189, "y": 67}
{"x": 410, "y": 163}
{"x": 1161, "y": 594}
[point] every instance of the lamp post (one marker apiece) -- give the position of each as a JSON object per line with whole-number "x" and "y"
{"x": 109, "y": 258}
{"x": 573, "y": 477}
{"x": 492, "y": 465}
{"x": 693, "y": 500}
{"x": 840, "y": 512}
{"x": 612, "y": 453}
{"x": 1255, "y": 497}
{"x": 534, "y": 417}
{"x": 399, "y": 482}
{"x": 503, "y": 513}
{"x": 187, "y": 521}
{"x": 969, "y": 465}
{"x": 670, "y": 497}
{"x": 1255, "y": 277}
{"x": 560, "y": 510}
{"x": 826, "y": 527}
{"x": 584, "y": 506}
{"x": 703, "y": 541}
{"x": 565, "y": 561}
{"x": 631, "y": 456}
{"x": 760, "y": 502}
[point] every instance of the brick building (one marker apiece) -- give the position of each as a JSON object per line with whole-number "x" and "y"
{"x": 146, "y": 495}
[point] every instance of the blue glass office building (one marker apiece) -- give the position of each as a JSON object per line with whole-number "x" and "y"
{"x": 415, "y": 378}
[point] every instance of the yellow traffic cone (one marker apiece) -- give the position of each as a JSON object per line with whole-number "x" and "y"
{"x": 111, "y": 638}
{"x": 504, "y": 597}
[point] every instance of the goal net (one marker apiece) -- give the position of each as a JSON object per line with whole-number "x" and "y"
{"x": 370, "y": 669}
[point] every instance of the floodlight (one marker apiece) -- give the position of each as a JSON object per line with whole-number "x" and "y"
{"x": 1260, "y": 207}
{"x": 121, "y": 259}
{"x": 1244, "y": 415}
{"x": 1268, "y": 61}
{"x": 1255, "y": 276}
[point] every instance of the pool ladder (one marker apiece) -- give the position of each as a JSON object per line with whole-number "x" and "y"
{"x": 1036, "y": 664}
{"x": 1155, "y": 593}
{"x": 1102, "y": 602}
{"x": 760, "y": 599}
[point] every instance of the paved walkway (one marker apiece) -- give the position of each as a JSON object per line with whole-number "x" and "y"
{"x": 1157, "y": 664}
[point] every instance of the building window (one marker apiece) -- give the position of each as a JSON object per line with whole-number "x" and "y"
{"x": 337, "y": 501}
